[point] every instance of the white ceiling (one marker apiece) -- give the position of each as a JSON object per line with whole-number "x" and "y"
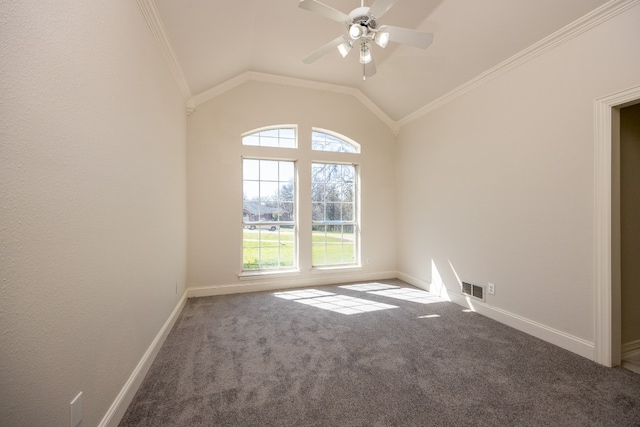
{"x": 217, "y": 40}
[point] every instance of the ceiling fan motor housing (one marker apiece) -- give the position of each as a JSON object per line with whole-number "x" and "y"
{"x": 361, "y": 17}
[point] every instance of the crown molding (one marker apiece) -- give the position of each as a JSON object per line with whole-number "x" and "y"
{"x": 290, "y": 81}
{"x": 579, "y": 26}
{"x": 154, "y": 22}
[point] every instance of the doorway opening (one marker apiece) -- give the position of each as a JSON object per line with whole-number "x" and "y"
{"x": 630, "y": 236}
{"x": 607, "y": 262}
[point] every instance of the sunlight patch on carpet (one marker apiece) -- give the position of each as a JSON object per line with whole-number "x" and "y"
{"x": 365, "y": 287}
{"x": 342, "y": 304}
{"x": 305, "y": 293}
{"x": 407, "y": 294}
{"x": 345, "y": 304}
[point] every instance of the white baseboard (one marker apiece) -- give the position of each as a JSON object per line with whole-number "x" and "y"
{"x": 121, "y": 403}
{"x": 569, "y": 342}
{"x": 631, "y": 349}
{"x": 561, "y": 339}
{"x": 418, "y": 283}
{"x": 574, "y": 344}
{"x": 286, "y": 283}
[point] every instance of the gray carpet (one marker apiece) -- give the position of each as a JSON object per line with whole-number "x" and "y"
{"x": 260, "y": 360}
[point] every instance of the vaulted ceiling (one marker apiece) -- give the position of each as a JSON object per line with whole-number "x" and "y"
{"x": 216, "y": 40}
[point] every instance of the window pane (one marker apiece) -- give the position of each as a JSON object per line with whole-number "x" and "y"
{"x": 268, "y": 191}
{"x": 317, "y": 212}
{"x": 332, "y": 211}
{"x": 286, "y": 257}
{"x": 268, "y": 214}
{"x": 324, "y": 142}
{"x": 334, "y": 242}
{"x": 347, "y": 211}
{"x": 269, "y": 142}
{"x": 334, "y": 254}
{"x": 250, "y": 190}
{"x": 251, "y": 169}
{"x": 287, "y": 211}
{"x": 251, "y": 140}
{"x": 317, "y": 173}
{"x": 268, "y": 170}
{"x": 283, "y": 137}
{"x": 286, "y": 171}
{"x": 287, "y": 133}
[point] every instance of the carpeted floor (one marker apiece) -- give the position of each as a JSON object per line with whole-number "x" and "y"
{"x": 286, "y": 360}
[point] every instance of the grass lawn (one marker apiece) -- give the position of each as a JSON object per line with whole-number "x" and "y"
{"x": 269, "y": 249}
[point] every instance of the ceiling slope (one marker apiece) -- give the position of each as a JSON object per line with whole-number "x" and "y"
{"x": 213, "y": 43}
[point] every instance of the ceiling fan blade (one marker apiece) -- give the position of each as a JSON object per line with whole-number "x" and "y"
{"x": 323, "y": 50}
{"x": 370, "y": 69}
{"x": 380, "y": 7}
{"x": 406, "y": 36}
{"x": 324, "y": 10}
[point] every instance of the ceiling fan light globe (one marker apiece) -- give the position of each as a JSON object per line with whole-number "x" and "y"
{"x": 382, "y": 39}
{"x": 356, "y": 31}
{"x": 365, "y": 55}
{"x": 344, "y": 48}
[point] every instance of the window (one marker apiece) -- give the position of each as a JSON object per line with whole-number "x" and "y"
{"x": 334, "y": 226}
{"x": 329, "y": 232}
{"x": 280, "y": 137}
{"x": 268, "y": 214}
{"x": 321, "y": 141}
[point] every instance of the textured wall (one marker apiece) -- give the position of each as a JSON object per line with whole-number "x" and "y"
{"x": 498, "y": 185}
{"x": 92, "y": 204}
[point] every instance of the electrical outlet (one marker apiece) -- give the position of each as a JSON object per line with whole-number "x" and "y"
{"x": 368, "y": 260}
{"x": 491, "y": 288}
{"x": 76, "y": 410}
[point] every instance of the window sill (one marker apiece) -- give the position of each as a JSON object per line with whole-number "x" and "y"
{"x": 355, "y": 268}
{"x": 251, "y": 275}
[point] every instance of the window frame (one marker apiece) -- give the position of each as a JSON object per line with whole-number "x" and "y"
{"x": 261, "y": 225}
{"x": 263, "y": 130}
{"x": 336, "y": 135}
{"x": 303, "y": 156}
{"x": 354, "y": 222}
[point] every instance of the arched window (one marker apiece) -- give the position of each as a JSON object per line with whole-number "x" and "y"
{"x": 283, "y": 137}
{"x": 322, "y": 140}
{"x": 268, "y": 203}
{"x": 270, "y": 199}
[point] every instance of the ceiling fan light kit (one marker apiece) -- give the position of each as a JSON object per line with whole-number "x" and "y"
{"x": 365, "y": 53}
{"x": 361, "y": 25}
{"x": 345, "y": 47}
{"x": 357, "y": 31}
{"x": 381, "y": 38}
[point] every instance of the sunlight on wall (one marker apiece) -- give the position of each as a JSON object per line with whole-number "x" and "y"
{"x": 437, "y": 284}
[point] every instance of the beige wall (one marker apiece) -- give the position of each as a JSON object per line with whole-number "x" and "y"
{"x": 215, "y": 180}
{"x": 630, "y": 221}
{"x": 498, "y": 185}
{"x": 92, "y": 201}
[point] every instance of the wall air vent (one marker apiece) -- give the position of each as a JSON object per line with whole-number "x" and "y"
{"x": 475, "y": 291}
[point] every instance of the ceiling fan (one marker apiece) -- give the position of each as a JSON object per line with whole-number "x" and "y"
{"x": 363, "y": 31}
